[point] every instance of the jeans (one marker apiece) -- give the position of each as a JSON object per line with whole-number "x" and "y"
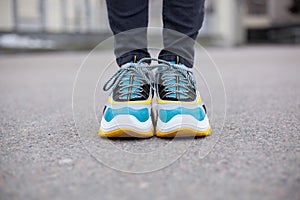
{"x": 181, "y": 18}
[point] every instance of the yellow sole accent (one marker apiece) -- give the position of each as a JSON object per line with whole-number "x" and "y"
{"x": 197, "y": 101}
{"x": 183, "y": 132}
{"x": 111, "y": 101}
{"x": 160, "y": 101}
{"x": 125, "y": 132}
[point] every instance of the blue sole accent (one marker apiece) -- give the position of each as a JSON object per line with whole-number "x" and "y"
{"x": 142, "y": 114}
{"x": 167, "y": 115}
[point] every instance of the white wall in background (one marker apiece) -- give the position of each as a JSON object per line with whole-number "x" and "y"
{"x": 6, "y": 19}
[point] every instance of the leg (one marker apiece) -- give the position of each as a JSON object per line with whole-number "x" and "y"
{"x": 128, "y": 109}
{"x": 186, "y": 17}
{"x": 181, "y": 111}
{"x": 124, "y": 16}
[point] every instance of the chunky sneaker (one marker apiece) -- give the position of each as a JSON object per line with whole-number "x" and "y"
{"x": 180, "y": 109}
{"x": 127, "y": 112}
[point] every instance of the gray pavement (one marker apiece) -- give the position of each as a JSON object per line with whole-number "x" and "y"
{"x": 255, "y": 156}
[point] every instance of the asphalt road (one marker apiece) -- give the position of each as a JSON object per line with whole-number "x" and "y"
{"x": 254, "y": 154}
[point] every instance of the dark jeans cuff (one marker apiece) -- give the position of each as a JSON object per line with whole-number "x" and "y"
{"x": 169, "y": 56}
{"x": 133, "y": 56}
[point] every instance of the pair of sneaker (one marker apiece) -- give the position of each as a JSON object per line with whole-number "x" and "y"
{"x": 159, "y": 100}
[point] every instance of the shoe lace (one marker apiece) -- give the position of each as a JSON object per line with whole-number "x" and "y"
{"x": 177, "y": 81}
{"x": 170, "y": 72}
{"x": 122, "y": 77}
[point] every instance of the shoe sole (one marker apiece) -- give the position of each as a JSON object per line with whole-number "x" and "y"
{"x": 126, "y": 126}
{"x": 184, "y": 132}
{"x": 125, "y": 133}
{"x": 183, "y": 126}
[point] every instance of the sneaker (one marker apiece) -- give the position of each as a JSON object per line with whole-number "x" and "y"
{"x": 180, "y": 110}
{"x": 127, "y": 112}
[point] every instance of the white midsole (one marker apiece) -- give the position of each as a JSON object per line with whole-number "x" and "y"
{"x": 183, "y": 121}
{"x": 126, "y": 121}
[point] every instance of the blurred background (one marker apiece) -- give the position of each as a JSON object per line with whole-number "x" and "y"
{"x": 81, "y": 24}
{"x": 255, "y": 49}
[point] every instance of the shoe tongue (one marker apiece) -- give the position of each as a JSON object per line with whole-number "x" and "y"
{"x": 176, "y": 79}
{"x": 132, "y": 90}
{"x": 177, "y": 86}
{"x": 128, "y": 89}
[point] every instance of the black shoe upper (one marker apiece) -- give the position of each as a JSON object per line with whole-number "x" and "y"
{"x": 174, "y": 85}
{"x": 132, "y": 87}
